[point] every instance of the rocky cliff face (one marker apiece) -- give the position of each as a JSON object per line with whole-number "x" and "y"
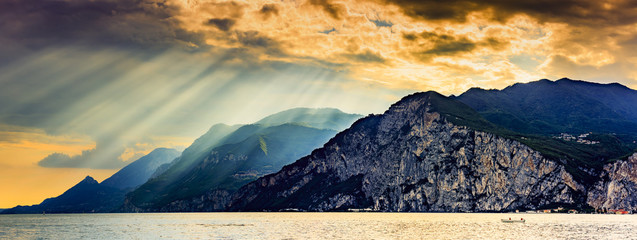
{"x": 211, "y": 201}
{"x": 617, "y": 188}
{"x": 412, "y": 158}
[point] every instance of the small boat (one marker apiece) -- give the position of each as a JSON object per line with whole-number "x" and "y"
{"x": 521, "y": 220}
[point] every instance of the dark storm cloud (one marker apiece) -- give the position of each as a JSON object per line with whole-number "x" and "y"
{"x": 223, "y": 24}
{"x": 254, "y": 43}
{"x": 568, "y": 11}
{"x": 333, "y": 10}
{"x": 442, "y": 44}
{"x": 122, "y": 23}
{"x": 433, "y": 44}
{"x": 437, "y": 10}
{"x": 256, "y": 39}
{"x": 269, "y": 10}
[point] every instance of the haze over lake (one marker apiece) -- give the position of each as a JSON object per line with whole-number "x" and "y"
{"x": 317, "y": 226}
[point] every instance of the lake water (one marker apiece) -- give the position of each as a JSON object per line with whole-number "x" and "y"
{"x": 317, "y": 226}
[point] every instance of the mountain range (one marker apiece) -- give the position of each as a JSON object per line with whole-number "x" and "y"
{"x": 528, "y": 146}
{"x": 429, "y": 152}
{"x": 412, "y": 158}
{"x": 227, "y": 157}
{"x": 246, "y": 152}
{"x": 553, "y": 107}
{"x": 90, "y": 196}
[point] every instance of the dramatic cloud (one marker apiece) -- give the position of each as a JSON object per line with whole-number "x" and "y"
{"x": 269, "y": 10}
{"x": 108, "y": 48}
{"x": 427, "y": 41}
{"x": 223, "y": 24}
{"x": 106, "y": 155}
{"x": 120, "y": 101}
{"x": 137, "y": 24}
{"x": 334, "y": 10}
{"x": 577, "y": 12}
{"x": 60, "y": 160}
{"x": 559, "y": 65}
{"x": 25, "y": 146}
{"x": 434, "y": 44}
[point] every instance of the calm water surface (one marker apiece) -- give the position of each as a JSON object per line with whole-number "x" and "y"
{"x": 316, "y": 226}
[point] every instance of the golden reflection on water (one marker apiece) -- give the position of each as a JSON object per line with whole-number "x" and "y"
{"x": 317, "y": 226}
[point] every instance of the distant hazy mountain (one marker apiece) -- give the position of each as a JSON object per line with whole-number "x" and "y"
{"x": 563, "y": 106}
{"x": 86, "y": 196}
{"x": 322, "y": 118}
{"x": 91, "y": 196}
{"x": 139, "y": 172}
{"x": 237, "y": 155}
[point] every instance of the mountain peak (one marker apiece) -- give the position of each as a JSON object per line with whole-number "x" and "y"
{"x": 293, "y": 113}
{"x": 586, "y": 83}
{"x": 419, "y": 98}
{"x": 162, "y": 150}
{"x": 88, "y": 180}
{"x": 322, "y": 118}
{"x": 450, "y": 108}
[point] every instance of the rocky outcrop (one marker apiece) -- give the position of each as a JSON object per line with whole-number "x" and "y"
{"x": 617, "y": 188}
{"x": 412, "y": 158}
{"x": 211, "y": 201}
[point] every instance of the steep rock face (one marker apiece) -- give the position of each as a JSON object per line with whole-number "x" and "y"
{"x": 211, "y": 201}
{"x": 412, "y": 159}
{"x": 617, "y": 188}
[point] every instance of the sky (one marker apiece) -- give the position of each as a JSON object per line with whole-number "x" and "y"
{"x": 87, "y": 86}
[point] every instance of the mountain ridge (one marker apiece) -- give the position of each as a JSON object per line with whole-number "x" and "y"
{"x": 237, "y": 157}
{"x": 313, "y": 117}
{"x": 485, "y": 150}
{"x": 139, "y": 171}
{"x": 380, "y": 163}
{"x": 522, "y": 107}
